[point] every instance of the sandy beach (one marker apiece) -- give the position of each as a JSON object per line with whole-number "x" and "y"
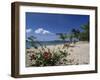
{"x": 78, "y": 53}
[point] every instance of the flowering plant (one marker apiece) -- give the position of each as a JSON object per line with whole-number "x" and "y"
{"x": 47, "y": 57}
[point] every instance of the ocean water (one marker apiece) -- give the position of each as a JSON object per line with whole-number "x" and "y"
{"x": 43, "y": 43}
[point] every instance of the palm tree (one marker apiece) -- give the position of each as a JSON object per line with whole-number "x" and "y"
{"x": 85, "y": 33}
{"x": 62, "y": 36}
{"x": 71, "y": 37}
{"x": 75, "y": 33}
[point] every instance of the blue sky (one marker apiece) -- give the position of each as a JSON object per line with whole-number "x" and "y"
{"x": 44, "y": 26}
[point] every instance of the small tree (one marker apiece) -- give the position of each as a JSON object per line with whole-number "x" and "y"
{"x": 31, "y": 40}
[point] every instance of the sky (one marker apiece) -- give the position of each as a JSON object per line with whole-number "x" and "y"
{"x": 44, "y": 26}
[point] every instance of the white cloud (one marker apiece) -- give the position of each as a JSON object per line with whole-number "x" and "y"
{"x": 39, "y": 30}
{"x": 28, "y": 30}
{"x": 46, "y": 32}
{"x": 42, "y": 31}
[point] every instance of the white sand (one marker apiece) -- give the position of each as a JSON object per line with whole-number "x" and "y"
{"x": 81, "y": 53}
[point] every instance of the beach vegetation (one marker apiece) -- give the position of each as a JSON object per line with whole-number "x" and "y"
{"x": 47, "y": 57}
